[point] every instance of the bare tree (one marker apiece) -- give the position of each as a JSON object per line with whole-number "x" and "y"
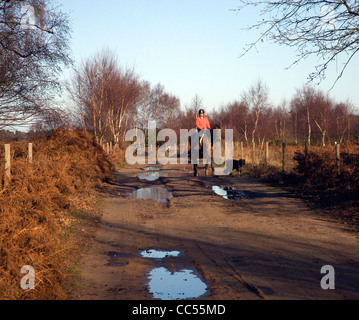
{"x": 89, "y": 90}
{"x": 125, "y": 94}
{"x": 189, "y": 115}
{"x": 106, "y": 96}
{"x": 326, "y": 29}
{"x": 156, "y": 100}
{"x": 75, "y": 89}
{"x": 314, "y": 110}
{"x": 32, "y": 54}
{"x": 322, "y": 115}
{"x": 188, "y": 118}
{"x": 257, "y": 99}
{"x": 143, "y": 109}
{"x": 238, "y": 116}
{"x": 52, "y": 118}
{"x": 302, "y": 105}
{"x": 169, "y": 111}
{"x": 280, "y": 117}
{"x": 163, "y": 107}
{"x": 342, "y": 115}
{"x": 197, "y": 103}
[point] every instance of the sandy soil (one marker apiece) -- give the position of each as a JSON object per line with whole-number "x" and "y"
{"x": 270, "y": 245}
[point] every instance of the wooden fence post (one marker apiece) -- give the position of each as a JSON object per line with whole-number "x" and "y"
{"x": 7, "y": 163}
{"x": 283, "y": 156}
{"x": 29, "y": 152}
{"x": 242, "y": 152}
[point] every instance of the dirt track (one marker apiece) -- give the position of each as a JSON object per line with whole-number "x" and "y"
{"x": 267, "y": 246}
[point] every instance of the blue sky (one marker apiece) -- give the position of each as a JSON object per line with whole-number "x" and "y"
{"x": 193, "y": 47}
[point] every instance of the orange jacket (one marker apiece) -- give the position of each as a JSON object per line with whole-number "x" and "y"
{"x": 202, "y": 124}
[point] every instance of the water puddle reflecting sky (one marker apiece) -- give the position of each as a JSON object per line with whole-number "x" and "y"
{"x": 150, "y": 175}
{"x": 179, "y": 285}
{"x": 158, "y": 194}
{"x": 173, "y": 285}
{"x": 229, "y": 193}
{"x": 154, "y": 168}
{"x": 158, "y": 254}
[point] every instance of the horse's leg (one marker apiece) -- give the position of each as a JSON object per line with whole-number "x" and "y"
{"x": 205, "y": 153}
{"x": 212, "y": 162}
{"x": 200, "y": 147}
{"x": 195, "y": 169}
{"x": 206, "y": 165}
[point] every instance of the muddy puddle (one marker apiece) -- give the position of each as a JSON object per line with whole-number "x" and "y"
{"x": 113, "y": 259}
{"x": 159, "y": 254}
{"x": 173, "y": 285}
{"x": 153, "y": 168}
{"x": 229, "y": 193}
{"x": 151, "y": 175}
{"x": 184, "y": 284}
{"x": 158, "y": 194}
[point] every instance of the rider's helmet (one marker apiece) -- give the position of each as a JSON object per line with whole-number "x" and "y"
{"x": 201, "y": 111}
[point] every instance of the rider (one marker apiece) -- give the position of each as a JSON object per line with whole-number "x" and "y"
{"x": 202, "y": 123}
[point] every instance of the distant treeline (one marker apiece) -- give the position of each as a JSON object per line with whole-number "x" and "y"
{"x": 7, "y": 135}
{"x": 107, "y": 101}
{"x": 310, "y": 117}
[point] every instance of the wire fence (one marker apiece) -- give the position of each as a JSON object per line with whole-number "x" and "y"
{"x": 284, "y": 155}
{"x": 281, "y": 156}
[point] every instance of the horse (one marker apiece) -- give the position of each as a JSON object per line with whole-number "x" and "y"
{"x": 237, "y": 164}
{"x": 200, "y": 150}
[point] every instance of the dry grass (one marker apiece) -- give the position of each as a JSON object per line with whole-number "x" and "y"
{"x": 66, "y": 169}
{"x": 320, "y": 172}
{"x": 317, "y": 177}
{"x": 275, "y": 154}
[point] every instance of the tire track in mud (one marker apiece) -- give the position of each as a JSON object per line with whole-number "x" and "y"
{"x": 233, "y": 272}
